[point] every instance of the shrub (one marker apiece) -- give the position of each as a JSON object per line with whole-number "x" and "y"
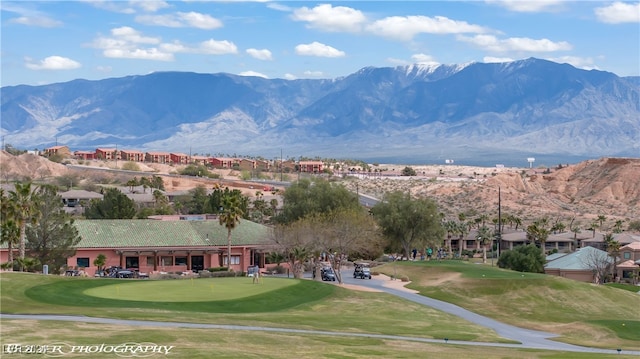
{"x": 526, "y": 258}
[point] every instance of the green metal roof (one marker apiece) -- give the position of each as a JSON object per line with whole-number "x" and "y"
{"x": 136, "y": 233}
{"x": 582, "y": 259}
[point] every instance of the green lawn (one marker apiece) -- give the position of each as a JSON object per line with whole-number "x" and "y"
{"x": 578, "y": 311}
{"x": 581, "y": 313}
{"x": 191, "y": 290}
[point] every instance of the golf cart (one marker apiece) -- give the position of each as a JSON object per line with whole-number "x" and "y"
{"x": 326, "y": 274}
{"x": 362, "y": 271}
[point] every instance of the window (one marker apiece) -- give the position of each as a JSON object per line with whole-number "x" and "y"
{"x": 132, "y": 262}
{"x": 234, "y": 260}
{"x": 166, "y": 260}
{"x": 181, "y": 261}
{"x": 627, "y": 255}
{"x": 83, "y": 262}
{"x": 150, "y": 261}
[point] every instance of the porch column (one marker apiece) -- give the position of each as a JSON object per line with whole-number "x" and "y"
{"x": 188, "y": 260}
{"x": 155, "y": 261}
{"x": 122, "y": 259}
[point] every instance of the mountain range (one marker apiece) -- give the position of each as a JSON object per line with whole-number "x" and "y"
{"x": 476, "y": 113}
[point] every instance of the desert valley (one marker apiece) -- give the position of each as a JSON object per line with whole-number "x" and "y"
{"x": 581, "y": 192}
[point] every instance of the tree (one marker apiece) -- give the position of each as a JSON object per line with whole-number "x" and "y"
{"x": 52, "y": 239}
{"x": 537, "y": 232}
{"x": 100, "y": 261}
{"x": 408, "y": 171}
{"x": 527, "y": 258}
{"x": 114, "y": 205}
{"x": 305, "y": 198}
{"x": 338, "y": 235}
{"x": 612, "y": 247}
{"x": 9, "y": 229}
{"x": 229, "y": 218}
{"x": 24, "y": 208}
{"x": 598, "y": 261}
{"x": 484, "y": 237}
{"x": 408, "y": 223}
{"x": 293, "y": 241}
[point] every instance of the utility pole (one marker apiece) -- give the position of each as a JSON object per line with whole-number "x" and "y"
{"x": 281, "y": 164}
{"x": 499, "y": 222}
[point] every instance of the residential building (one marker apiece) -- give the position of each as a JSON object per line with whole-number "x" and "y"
{"x": 158, "y": 157}
{"x": 132, "y": 155}
{"x": 311, "y": 166}
{"x": 58, "y": 150}
{"x": 580, "y": 265}
{"x": 85, "y": 155}
{"x": 107, "y": 154}
{"x": 179, "y": 158}
{"x": 223, "y": 162}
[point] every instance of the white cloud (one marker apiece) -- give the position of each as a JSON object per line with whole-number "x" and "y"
{"x": 214, "y": 47}
{"x": 278, "y": 7}
{"x": 129, "y": 34}
{"x": 28, "y": 17}
{"x": 528, "y": 6}
{"x": 406, "y": 27}
{"x": 52, "y": 63}
{"x": 328, "y": 18}
{"x": 149, "y": 5}
{"x": 289, "y": 76}
{"x": 39, "y": 21}
{"x": 493, "y": 44}
{"x": 181, "y": 19}
{"x": 578, "y": 62}
{"x": 125, "y": 43}
{"x": 318, "y": 49}
{"x": 263, "y": 54}
{"x": 141, "y": 54}
{"x": 253, "y": 73}
{"x": 313, "y": 73}
{"x": 619, "y": 12}
{"x": 424, "y": 59}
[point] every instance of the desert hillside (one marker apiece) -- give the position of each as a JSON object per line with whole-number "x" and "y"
{"x": 606, "y": 186}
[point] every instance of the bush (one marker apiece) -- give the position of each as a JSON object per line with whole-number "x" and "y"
{"x": 130, "y": 166}
{"x": 218, "y": 269}
{"x": 526, "y": 258}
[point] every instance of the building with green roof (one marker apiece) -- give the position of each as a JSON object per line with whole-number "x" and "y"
{"x": 170, "y": 244}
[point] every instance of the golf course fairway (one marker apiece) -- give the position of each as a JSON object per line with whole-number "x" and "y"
{"x": 190, "y": 290}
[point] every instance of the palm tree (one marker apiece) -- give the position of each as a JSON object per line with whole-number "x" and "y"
{"x": 463, "y": 230}
{"x": 613, "y": 248}
{"x": 517, "y": 221}
{"x": 538, "y": 232}
{"x": 9, "y": 230}
{"x": 24, "y": 208}
{"x": 484, "y": 237}
{"x": 617, "y": 228}
{"x": 601, "y": 219}
{"x": 229, "y": 218}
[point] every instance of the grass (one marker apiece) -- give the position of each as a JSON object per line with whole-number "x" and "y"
{"x": 192, "y": 290}
{"x": 302, "y": 304}
{"x": 239, "y": 344}
{"x": 580, "y": 312}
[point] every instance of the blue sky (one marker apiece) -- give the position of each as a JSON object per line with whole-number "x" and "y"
{"x": 56, "y": 41}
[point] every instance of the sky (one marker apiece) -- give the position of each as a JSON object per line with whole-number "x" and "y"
{"x": 44, "y": 42}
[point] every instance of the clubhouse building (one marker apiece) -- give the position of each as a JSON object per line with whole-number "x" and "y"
{"x": 178, "y": 243}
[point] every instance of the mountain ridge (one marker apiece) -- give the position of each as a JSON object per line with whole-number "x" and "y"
{"x": 475, "y": 112}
